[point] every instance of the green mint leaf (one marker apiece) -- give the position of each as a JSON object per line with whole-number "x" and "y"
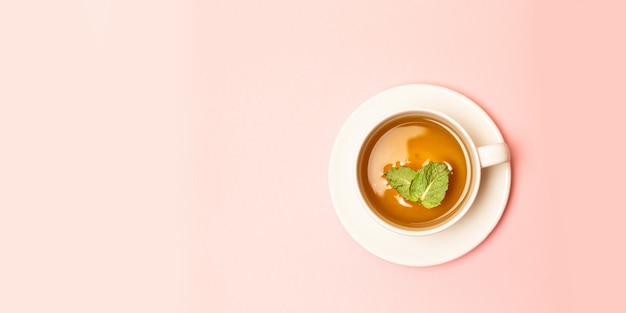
{"x": 430, "y": 185}
{"x": 400, "y": 179}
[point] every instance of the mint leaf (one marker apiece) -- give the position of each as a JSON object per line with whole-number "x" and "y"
{"x": 430, "y": 185}
{"x": 400, "y": 179}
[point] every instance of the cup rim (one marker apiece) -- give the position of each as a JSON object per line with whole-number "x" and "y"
{"x": 474, "y": 180}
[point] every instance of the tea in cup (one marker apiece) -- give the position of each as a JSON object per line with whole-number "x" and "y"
{"x": 413, "y": 138}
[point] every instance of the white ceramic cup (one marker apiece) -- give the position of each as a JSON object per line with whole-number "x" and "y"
{"x": 477, "y": 158}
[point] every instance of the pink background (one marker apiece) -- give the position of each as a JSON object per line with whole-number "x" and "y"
{"x": 172, "y": 156}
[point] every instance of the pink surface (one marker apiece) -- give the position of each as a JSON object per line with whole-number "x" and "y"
{"x": 172, "y": 156}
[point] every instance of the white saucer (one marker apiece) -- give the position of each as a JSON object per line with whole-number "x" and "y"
{"x": 444, "y": 246}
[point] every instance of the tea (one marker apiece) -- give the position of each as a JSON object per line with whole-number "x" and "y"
{"x": 411, "y": 140}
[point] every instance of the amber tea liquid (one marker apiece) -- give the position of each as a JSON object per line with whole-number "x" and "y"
{"x": 411, "y": 140}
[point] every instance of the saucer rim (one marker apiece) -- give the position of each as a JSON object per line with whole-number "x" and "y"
{"x": 457, "y": 240}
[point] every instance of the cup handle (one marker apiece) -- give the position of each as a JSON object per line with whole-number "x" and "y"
{"x": 493, "y": 154}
